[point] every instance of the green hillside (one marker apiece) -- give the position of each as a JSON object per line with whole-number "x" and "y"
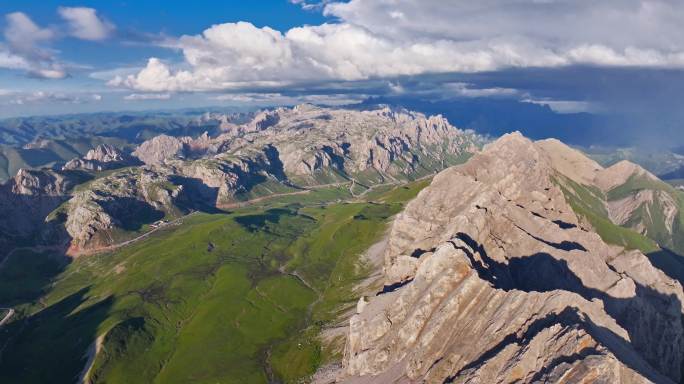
{"x": 235, "y": 297}
{"x": 588, "y": 203}
{"x": 651, "y": 214}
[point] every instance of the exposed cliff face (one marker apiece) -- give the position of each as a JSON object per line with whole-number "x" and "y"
{"x": 368, "y": 145}
{"x": 226, "y": 176}
{"x": 637, "y": 199}
{"x": 491, "y": 277}
{"x": 276, "y": 151}
{"x": 30, "y": 196}
{"x": 100, "y": 158}
{"x": 98, "y": 212}
{"x": 160, "y": 148}
{"x": 27, "y": 199}
{"x": 40, "y": 183}
{"x": 125, "y": 200}
{"x": 319, "y": 143}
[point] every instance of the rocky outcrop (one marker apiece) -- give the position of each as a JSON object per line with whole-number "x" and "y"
{"x": 619, "y": 173}
{"x": 33, "y": 183}
{"x": 491, "y": 278}
{"x": 317, "y": 145}
{"x": 126, "y": 201}
{"x": 377, "y": 144}
{"x": 31, "y": 195}
{"x": 643, "y": 199}
{"x": 275, "y": 151}
{"x": 226, "y": 176}
{"x": 25, "y": 202}
{"x": 160, "y": 148}
{"x": 630, "y": 195}
{"x": 622, "y": 210}
{"x": 102, "y": 157}
{"x": 99, "y": 214}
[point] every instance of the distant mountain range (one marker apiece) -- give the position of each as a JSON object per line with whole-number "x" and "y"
{"x": 36, "y": 142}
{"x": 280, "y": 151}
{"x": 507, "y": 258}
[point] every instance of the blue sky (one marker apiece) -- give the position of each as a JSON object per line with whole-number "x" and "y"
{"x": 138, "y": 25}
{"x": 173, "y": 18}
{"x": 621, "y": 59}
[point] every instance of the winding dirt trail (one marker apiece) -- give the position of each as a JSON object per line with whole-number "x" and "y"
{"x": 79, "y": 252}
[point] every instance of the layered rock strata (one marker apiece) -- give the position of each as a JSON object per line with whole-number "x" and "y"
{"x": 492, "y": 278}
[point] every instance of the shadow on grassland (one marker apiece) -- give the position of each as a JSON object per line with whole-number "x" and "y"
{"x": 63, "y": 331}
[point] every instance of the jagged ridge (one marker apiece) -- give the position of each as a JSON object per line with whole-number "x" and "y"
{"x": 491, "y": 277}
{"x": 278, "y": 151}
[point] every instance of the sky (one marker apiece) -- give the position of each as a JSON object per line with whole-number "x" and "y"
{"x": 622, "y": 60}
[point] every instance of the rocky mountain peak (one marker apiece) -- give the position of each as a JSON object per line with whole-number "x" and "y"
{"x": 305, "y": 107}
{"x": 490, "y": 276}
{"x": 283, "y": 149}
{"x": 570, "y": 162}
{"x": 39, "y": 182}
{"x": 315, "y": 140}
{"x": 159, "y": 148}
{"x": 619, "y": 173}
{"x": 104, "y": 153}
{"x": 100, "y": 158}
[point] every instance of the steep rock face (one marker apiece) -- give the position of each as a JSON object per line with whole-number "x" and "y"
{"x": 158, "y": 149}
{"x": 264, "y": 120}
{"x": 506, "y": 285}
{"x": 30, "y": 196}
{"x": 622, "y": 210}
{"x": 100, "y": 158}
{"x": 26, "y": 200}
{"x": 639, "y": 200}
{"x": 40, "y": 183}
{"x": 376, "y": 144}
{"x": 128, "y": 199}
{"x": 225, "y": 176}
{"x": 105, "y": 154}
{"x": 619, "y": 173}
{"x": 125, "y": 200}
{"x": 320, "y": 145}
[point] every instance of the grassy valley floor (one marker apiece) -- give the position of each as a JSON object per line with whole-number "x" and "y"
{"x": 236, "y": 297}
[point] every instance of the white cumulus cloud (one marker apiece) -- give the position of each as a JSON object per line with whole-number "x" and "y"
{"x": 389, "y": 38}
{"x": 23, "y": 34}
{"x": 24, "y": 50}
{"x": 26, "y": 45}
{"x": 85, "y": 24}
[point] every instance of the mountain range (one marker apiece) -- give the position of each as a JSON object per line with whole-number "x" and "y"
{"x": 339, "y": 245}
{"x": 499, "y": 272}
{"x": 279, "y": 151}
